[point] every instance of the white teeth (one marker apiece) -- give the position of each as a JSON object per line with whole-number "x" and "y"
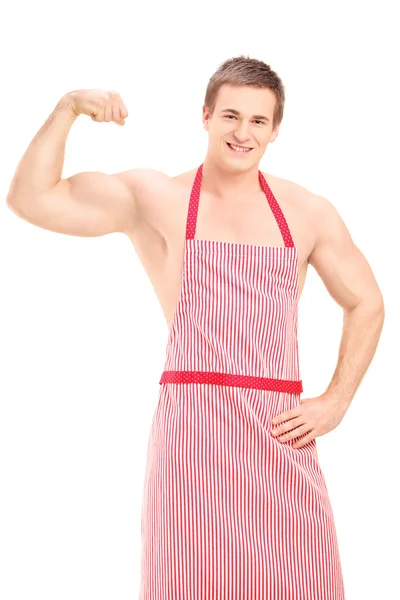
{"x": 239, "y": 149}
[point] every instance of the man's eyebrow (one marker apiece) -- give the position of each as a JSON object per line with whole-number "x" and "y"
{"x": 236, "y": 112}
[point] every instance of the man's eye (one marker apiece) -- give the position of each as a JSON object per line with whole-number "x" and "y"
{"x": 256, "y": 121}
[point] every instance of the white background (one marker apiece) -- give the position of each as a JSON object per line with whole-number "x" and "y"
{"x": 82, "y": 338}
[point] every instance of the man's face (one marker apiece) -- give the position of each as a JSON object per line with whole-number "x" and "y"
{"x": 250, "y": 126}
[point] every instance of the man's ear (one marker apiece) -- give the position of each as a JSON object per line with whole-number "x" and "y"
{"x": 206, "y": 117}
{"x": 275, "y": 133}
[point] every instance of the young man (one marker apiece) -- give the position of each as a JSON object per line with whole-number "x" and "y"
{"x": 235, "y": 504}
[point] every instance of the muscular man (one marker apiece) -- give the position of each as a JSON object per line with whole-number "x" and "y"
{"x": 232, "y": 507}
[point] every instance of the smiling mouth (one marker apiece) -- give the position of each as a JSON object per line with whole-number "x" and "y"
{"x": 245, "y": 149}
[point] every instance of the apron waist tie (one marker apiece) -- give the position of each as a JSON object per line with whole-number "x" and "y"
{"x": 243, "y": 381}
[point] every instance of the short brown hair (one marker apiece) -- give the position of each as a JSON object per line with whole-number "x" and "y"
{"x": 243, "y": 70}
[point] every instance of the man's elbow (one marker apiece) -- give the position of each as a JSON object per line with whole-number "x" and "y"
{"x": 374, "y": 306}
{"x": 377, "y": 304}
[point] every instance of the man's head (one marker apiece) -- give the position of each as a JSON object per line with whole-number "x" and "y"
{"x": 243, "y": 105}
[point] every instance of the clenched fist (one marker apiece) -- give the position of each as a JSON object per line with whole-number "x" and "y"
{"x": 100, "y": 105}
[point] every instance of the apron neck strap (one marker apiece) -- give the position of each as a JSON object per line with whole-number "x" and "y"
{"x": 276, "y": 209}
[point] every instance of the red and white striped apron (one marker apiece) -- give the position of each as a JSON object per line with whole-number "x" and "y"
{"x": 229, "y": 512}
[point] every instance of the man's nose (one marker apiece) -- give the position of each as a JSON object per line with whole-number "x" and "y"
{"x": 242, "y": 132}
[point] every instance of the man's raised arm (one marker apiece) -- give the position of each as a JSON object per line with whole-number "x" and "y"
{"x": 85, "y": 204}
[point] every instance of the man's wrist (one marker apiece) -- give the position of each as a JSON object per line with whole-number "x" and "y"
{"x": 342, "y": 398}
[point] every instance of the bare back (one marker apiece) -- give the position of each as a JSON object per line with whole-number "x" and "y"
{"x": 163, "y": 204}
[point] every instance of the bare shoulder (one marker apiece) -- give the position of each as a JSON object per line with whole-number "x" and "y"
{"x": 328, "y": 231}
{"x": 158, "y": 200}
{"x": 315, "y": 219}
{"x": 292, "y": 194}
{"x": 322, "y": 214}
{"x": 149, "y": 188}
{"x": 142, "y": 180}
{"x": 151, "y": 184}
{"x": 316, "y": 206}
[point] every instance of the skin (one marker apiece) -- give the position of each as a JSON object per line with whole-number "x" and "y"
{"x": 150, "y": 207}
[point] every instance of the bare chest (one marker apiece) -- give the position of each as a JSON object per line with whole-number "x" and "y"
{"x": 160, "y": 243}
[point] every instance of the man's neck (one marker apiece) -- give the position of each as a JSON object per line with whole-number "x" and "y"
{"x": 224, "y": 183}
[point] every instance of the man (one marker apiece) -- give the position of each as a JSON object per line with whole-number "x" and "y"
{"x": 235, "y": 504}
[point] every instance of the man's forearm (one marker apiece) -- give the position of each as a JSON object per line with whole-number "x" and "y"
{"x": 362, "y": 328}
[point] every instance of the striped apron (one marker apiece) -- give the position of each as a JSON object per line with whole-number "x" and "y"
{"x": 230, "y": 512}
